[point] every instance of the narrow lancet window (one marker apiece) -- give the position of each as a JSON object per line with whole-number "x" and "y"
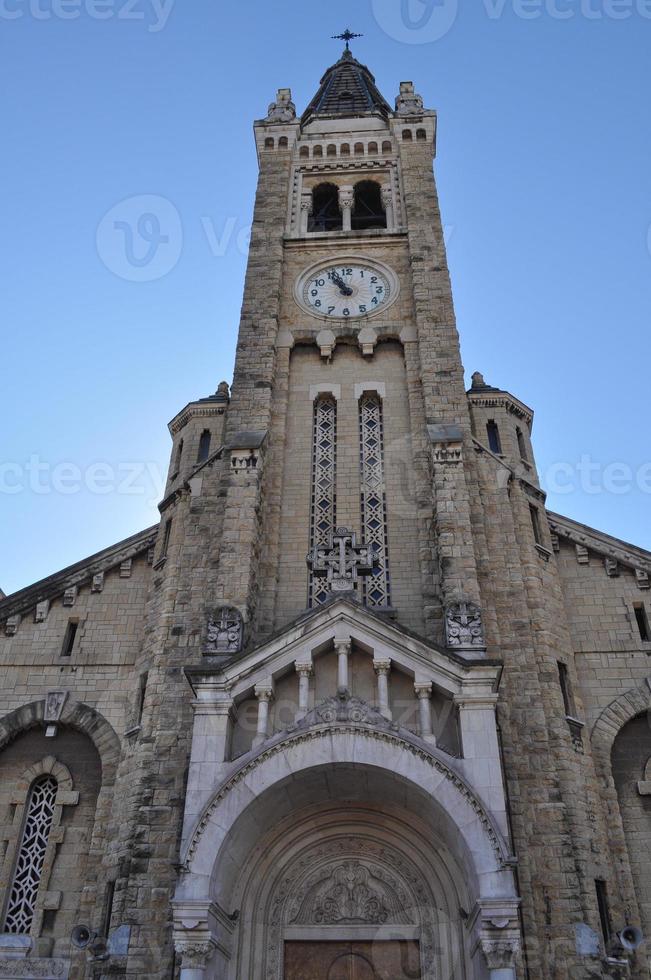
{"x": 324, "y": 494}
{"x": 494, "y": 441}
{"x": 39, "y": 816}
{"x": 376, "y": 587}
{"x": 204, "y": 446}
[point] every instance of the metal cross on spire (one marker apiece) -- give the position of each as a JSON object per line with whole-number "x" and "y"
{"x": 347, "y": 36}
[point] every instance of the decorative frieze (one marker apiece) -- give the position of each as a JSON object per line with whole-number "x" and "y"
{"x": 447, "y": 443}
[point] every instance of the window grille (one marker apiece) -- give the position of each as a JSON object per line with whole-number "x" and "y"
{"x": 31, "y": 854}
{"x": 376, "y": 586}
{"x": 324, "y": 494}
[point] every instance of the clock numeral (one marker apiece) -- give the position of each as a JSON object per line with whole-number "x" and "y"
{"x": 315, "y": 292}
{"x": 331, "y": 309}
{"x": 374, "y": 301}
{"x": 373, "y": 279}
{"x": 361, "y": 273}
{"x": 346, "y": 272}
{"x": 346, "y": 312}
{"x": 379, "y": 289}
{"x": 317, "y": 302}
{"x": 362, "y": 309}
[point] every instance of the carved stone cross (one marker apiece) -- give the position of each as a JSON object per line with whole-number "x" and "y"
{"x": 342, "y": 560}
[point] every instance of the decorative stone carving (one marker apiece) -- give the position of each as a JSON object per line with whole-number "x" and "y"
{"x": 612, "y": 567}
{"x": 34, "y": 969}
{"x": 195, "y": 955}
{"x": 70, "y": 596}
{"x": 408, "y": 103}
{"x": 463, "y": 626}
{"x": 12, "y": 624}
{"x": 367, "y": 339}
{"x": 97, "y": 585}
{"x": 447, "y": 443}
{"x": 326, "y": 342}
{"x": 499, "y": 953}
{"x": 582, "y": 554}
{"x": 345, "y": 709}
{"x": 126, "y": 567}
{"x": 225, "y": 632}
{"x": 54, "y": 704}
{"x": 350, "y": 893}
{"x": 283, "y": 109}
{"x": 642, "y": 578}
{"x": 42, "y": 610}
{"x": 556, "y": 543}
{"x": 245, "y": 451}
{"x": 341, "y": 560}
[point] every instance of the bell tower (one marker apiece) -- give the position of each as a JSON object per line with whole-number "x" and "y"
{"x": 348, "y": 405}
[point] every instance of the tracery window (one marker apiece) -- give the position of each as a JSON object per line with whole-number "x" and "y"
{"x": 324, "y": 494}
{"x": 377, "y": 589}
{"x": 31, "y": 855}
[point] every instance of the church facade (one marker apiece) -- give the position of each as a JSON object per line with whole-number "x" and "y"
{"x": 360, "y": 706}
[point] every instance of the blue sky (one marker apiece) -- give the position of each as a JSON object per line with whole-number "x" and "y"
{"x": 544, "y": 178}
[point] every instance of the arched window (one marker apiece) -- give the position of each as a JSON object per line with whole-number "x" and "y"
{"x": 407, "y": 134}
{"x": 323, "y": 518}
{"x": 204, "y": 446}
{"x": 283, "y": 142}
{"x": 421, "y": 134}
{"x": 269, "y": 143}
{"x": 493, "y": 434}
{"x": 332, "y": 150}
{"x": 387, "y": 147}
{"x": 345, "y": 149}
{"x": 318, "y": 151}
{"x": 368, "y": 210}
{"x": 373, "y": 505}
{"x": 177, "y": 459}
{"x": 326, "y": 213}
{"x": 39, "y": 814}
{"x": 372, "y": 148}
{"x": 522, "y": 445}
{"x": 304, "y": 151}
{"x": 359, "y": 149}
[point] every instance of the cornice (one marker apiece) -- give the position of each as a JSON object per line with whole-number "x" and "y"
{"x": 629, "y": 555}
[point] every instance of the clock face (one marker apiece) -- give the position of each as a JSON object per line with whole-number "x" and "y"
{"x": 346, "y": 289}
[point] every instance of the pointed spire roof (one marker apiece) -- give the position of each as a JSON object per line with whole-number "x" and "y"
{"x": 347, "y": 89}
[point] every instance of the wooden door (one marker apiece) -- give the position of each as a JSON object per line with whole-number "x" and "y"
{"x": 352, "y": 961}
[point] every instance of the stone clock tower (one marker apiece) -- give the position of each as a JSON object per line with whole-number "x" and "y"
{"x": 360, "y": 707}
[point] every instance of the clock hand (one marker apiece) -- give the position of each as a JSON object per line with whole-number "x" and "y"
{"x": 344, "y": 289}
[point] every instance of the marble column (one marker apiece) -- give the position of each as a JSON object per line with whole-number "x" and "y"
{"x": 346, "y": 202}
{"x": 424, "y": 694}
{"x": 304, "y": 671}
{"x": 343, "y": 648}
{"x": 264, "y": 694}
{"x": 383, "y": 669}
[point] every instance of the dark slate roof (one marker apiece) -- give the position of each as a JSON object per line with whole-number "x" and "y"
{"x": 347, "y": 89}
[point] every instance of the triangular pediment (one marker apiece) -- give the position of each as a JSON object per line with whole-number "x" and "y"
{"x": 343, "y": 620}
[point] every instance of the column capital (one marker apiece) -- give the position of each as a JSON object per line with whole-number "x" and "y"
{"x": 382, "y": 666}
{"x": 344, "y": 647}
{"x": 195, "y": 953}
{"x": 500, "y": 952}
{"x": 263, "y": 692}
{"x": 303, "y": 668}
{"x": 471, "y": 702}
{"x": 423, "y": 690}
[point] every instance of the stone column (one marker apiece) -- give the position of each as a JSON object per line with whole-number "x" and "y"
{"x": 424, "y": 694}
{"x": 500, "y": 958}
{"x": 387, "y": 204}
{"x": 264, "y": 695}
{"x": 304, "y": 671}
{"x": 343, "y": 648}
{"x": 383, "y": 669}
{"x": 481, "y": 750}
{"x": 346, "y": 201}
{"x": 194, "y": 958}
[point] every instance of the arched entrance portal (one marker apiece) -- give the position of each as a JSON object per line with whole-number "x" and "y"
{"x": 334, "y": 854}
